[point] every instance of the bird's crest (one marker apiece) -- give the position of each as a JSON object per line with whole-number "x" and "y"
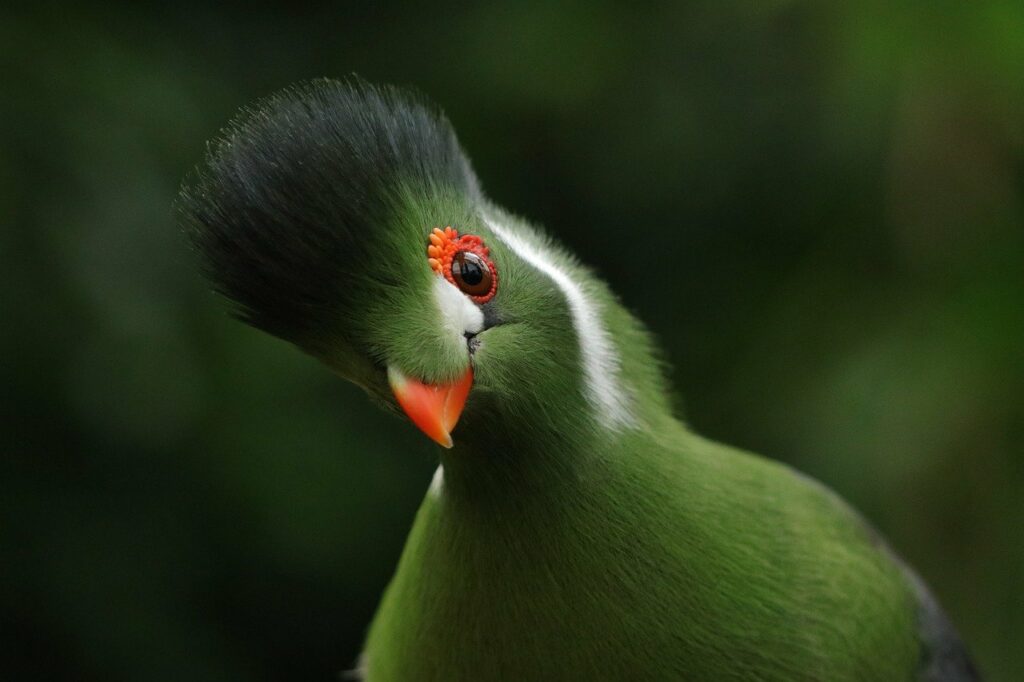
{"x": 294, "y": 186}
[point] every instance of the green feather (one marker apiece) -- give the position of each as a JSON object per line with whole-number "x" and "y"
{"x": 660, "y": 557}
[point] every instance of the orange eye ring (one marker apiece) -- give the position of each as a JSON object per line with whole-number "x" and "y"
{"x": 464, "y": 262}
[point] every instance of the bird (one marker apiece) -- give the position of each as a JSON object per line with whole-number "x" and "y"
{"x": 576, "y": 527}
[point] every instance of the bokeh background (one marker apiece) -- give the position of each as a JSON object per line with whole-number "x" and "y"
{"x": 818, "y": 207}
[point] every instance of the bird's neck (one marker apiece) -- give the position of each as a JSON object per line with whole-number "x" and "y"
{"x": 493, "y": 469}
{"x": 485, "y": 472}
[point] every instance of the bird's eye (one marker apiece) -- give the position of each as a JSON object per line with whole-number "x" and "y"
{"x": 464, "y": 261}
{"x": 471, "y": 273}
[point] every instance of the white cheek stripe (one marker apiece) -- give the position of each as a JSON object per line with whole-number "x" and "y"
{"x": 600, "y": 362}
{"x": 458, "y": 314}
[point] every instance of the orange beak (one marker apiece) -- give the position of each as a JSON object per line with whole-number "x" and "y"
{"x": 434, "y": 408}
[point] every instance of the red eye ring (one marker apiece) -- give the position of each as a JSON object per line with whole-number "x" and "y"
{"x": 474, "y": 272}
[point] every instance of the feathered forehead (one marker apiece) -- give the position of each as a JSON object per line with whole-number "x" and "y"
{"x": 300, "y": 185}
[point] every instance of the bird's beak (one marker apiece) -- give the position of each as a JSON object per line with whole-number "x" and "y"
{"x": 434, "y": 408}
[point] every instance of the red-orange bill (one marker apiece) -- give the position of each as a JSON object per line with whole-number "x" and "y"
{"x": 434, "y": 408}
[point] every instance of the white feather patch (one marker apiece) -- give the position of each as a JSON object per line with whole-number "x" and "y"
{"x": 600, "y": 361}
{"x": 437, "y": 482}
{"x": 458, "y": 314}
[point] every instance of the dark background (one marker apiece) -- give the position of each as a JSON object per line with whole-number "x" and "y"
{"x": 816, "y": 206}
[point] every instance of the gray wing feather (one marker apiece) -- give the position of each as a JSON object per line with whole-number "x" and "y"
{"x": 944, "y": 656}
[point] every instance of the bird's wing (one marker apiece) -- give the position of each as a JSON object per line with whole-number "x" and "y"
{"x": 944, "y": 657}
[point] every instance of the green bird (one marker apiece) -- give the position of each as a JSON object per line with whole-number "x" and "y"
{"x": 575, "y": 528}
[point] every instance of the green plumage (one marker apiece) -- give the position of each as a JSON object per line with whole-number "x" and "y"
{"x": 691, "y": 562}
{"x": 556, "y": 543}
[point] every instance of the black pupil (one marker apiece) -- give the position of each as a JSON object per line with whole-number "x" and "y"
{"x": 469, "y": 270}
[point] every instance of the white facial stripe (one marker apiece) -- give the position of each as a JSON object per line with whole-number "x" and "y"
{"x": 458, "y": 314}
{"x": 600, "y": 362}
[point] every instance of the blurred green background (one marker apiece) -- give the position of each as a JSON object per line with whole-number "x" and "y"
{"x": 818, "y": 207}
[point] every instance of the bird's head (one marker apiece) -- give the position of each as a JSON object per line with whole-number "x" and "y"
{"x": 346, "y": 219}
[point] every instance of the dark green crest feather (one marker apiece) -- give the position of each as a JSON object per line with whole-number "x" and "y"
{"x": 296, "y": 187}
